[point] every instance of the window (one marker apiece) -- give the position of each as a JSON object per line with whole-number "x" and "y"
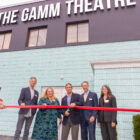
{"x": 37, "y": 37}
{"x": 5, "y": 39}
{"x": 78, "y": 32}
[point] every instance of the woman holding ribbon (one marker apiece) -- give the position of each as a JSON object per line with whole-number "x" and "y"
{"x": 45, "y": 127}
{"x": 107, "y": 119}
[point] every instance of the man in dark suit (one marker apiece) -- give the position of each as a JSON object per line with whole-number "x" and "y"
{"x": 88, "y": 117}
{"x": 71, "y": 119}
{"x": 28, "y": 96}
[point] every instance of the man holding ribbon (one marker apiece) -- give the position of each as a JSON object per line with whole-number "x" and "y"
{"x": 1, "y": 104}
{"x": 28, "y": 96}
{"x": 71, "y": 119}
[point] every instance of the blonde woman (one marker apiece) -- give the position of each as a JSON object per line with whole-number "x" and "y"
{"x": 45, "y": 127}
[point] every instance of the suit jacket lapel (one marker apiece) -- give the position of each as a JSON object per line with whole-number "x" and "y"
{"x": 35, "y": 94}
{"x": 102, "y": 102}
{"x": 29, "y": 92}
{"x": 65, "y": 100}
{"x": 83, "y": 98}
{"x": 72, "y": 98}
{"x": 88, "y": 97}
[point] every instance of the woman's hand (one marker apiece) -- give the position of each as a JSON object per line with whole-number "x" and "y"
{"x": 113, "y": 124}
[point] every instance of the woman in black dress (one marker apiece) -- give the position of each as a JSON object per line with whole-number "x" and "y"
{"x": 107, "y": 119}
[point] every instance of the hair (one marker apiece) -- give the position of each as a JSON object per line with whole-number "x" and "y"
{"x": 85, "y": 82}
{"x": 68, "y": 84}
{"x": 109, "y": 93}
{"x": 33, "y": 78}
{"x": 46, "y": 92}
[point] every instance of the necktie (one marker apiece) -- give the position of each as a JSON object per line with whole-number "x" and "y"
{"x": 85, "y": 97}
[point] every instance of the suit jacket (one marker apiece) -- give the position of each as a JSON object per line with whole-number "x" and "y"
{"x": 25, "y": 97}
{"x": 74, "y": 113}
{"x": 92, "y": 101}
{"x": 108, "y": 116}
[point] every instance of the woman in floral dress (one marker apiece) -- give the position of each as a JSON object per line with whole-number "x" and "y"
{"x": 45, "y": 127}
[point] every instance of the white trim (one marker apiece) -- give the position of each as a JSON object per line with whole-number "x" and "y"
{"x": 119, "y": 63}
{"x": 20, "y": 3}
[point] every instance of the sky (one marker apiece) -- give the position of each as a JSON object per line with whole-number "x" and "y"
{"x": 9, "y": 2}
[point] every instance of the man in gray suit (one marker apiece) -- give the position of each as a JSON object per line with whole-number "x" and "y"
{"x": 28, "y": 96}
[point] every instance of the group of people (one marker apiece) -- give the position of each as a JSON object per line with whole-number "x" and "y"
{"x": 45, "y": 126}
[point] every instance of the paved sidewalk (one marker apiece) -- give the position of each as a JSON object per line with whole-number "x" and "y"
{"x": 7, "y": 138}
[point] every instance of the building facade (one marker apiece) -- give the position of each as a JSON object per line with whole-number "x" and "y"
{"x": 71, "y": 41}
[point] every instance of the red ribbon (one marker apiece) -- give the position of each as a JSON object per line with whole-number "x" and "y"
{"x": 77, "y": 107}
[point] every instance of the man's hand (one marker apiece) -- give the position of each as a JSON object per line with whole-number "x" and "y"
{"x": 60, "y": 121}
{"x": 2, "y": 106}
{"x": 92, "y": 119}
{"x": 72, "y": 105}
{"x": 67, "y": 113}
{"x": 22, "y": 104}
{"x": 113, "y": 124}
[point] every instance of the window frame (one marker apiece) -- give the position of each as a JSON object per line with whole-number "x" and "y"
{"x": 77, "y": 22}
{"x": 36, "y": 28}
{"x": 4, "y": 33}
